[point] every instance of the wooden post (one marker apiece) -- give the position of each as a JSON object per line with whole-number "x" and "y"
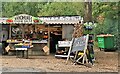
{"x": 86, "y": 44}
{"x": 76, "y": 53}
{"x": 10, "y": 31}
{"x": 69, "y": 51}
{"x": 48, "y": 40}
{"x": 23, "y": 31}
{"x": 88, "y": 11}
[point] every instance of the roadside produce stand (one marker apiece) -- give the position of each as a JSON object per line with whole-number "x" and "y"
{"x": 42, "y": 34}
{"x": 23, "y": 34}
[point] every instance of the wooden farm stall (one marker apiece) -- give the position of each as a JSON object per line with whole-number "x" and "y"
{"x": 41, "y": 31}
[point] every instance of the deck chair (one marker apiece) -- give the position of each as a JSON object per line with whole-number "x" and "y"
{"x": 76, "y": 49}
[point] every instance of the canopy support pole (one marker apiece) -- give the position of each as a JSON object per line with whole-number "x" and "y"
{"x": 48, "y": 40}
{"x": 10, "y": 31}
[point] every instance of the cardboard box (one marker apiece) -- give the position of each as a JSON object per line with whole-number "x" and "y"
{"x": 45, "y": 49}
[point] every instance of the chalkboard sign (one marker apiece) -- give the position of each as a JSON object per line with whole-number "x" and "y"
{"x": 79, "y": 44}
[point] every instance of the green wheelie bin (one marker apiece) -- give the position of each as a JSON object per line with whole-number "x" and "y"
{"x": 106, "y": 42}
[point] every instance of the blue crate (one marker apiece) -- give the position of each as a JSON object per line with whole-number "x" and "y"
{"x": 25, "y": 46}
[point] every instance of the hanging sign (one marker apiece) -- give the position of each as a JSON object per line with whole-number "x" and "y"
{"x": 23, "y": 19}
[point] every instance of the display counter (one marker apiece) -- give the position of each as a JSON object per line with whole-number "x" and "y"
{"x": 63, "y": 48}
{"x": 36, "y": 46}
{"x": 39, "y": 41}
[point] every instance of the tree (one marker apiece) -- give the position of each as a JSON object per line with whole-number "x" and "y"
{"x": 10, "y": 9}
{"x": 62, "y": 8}
{"x": 88, "y": 12}
{"x": 106, "y": 14}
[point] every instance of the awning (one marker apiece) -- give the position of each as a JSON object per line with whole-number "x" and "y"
{"x": 62, "y": 19}
{"x": 61, "y": 22}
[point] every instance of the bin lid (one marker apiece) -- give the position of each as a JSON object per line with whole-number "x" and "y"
{"x": 105, "y": 35}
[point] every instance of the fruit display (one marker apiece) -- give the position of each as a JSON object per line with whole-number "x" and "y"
{"x": 12, "y": 41}
{"x": 22, "y": 45}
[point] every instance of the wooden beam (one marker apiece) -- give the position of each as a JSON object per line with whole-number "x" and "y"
{"x": 69, "y": 51}
{"x": 48, "y": 40}
{"x": 9, "y": 31}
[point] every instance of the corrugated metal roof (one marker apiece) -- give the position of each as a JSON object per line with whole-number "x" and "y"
{"x": 61, "y": 22}
{"x": 62, "y": 19}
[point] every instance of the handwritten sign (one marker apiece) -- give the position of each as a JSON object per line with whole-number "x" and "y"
{"x": 79, "y": 44}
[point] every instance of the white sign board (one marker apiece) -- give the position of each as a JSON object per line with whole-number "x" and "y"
{"x": 64, "y": 43}
{"x": 23, "y": 18}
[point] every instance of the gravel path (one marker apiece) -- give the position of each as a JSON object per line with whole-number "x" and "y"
{"x": 105, "y": 62}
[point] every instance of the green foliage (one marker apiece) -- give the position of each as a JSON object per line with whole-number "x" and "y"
{"x": 62, "y": 8}
{"x": 105, "y": 9}
{"x": 109, "y": 11}
{"x": 118, "y": 41}
{"x": 10, "y": 9}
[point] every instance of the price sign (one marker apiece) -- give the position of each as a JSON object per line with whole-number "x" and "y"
{"x": 64, "y": 43}
{"x": 79, "y": 44}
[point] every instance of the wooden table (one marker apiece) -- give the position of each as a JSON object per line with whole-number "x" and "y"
{"x": 38, "y": 47}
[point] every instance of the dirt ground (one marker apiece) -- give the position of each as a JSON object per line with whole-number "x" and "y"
{"x": 105, "y": 62}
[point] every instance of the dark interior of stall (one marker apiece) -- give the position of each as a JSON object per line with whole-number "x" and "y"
{"x": 55, "y": 36}
{"x": 54, "y": 40}
{"x": 4, "y": 36}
